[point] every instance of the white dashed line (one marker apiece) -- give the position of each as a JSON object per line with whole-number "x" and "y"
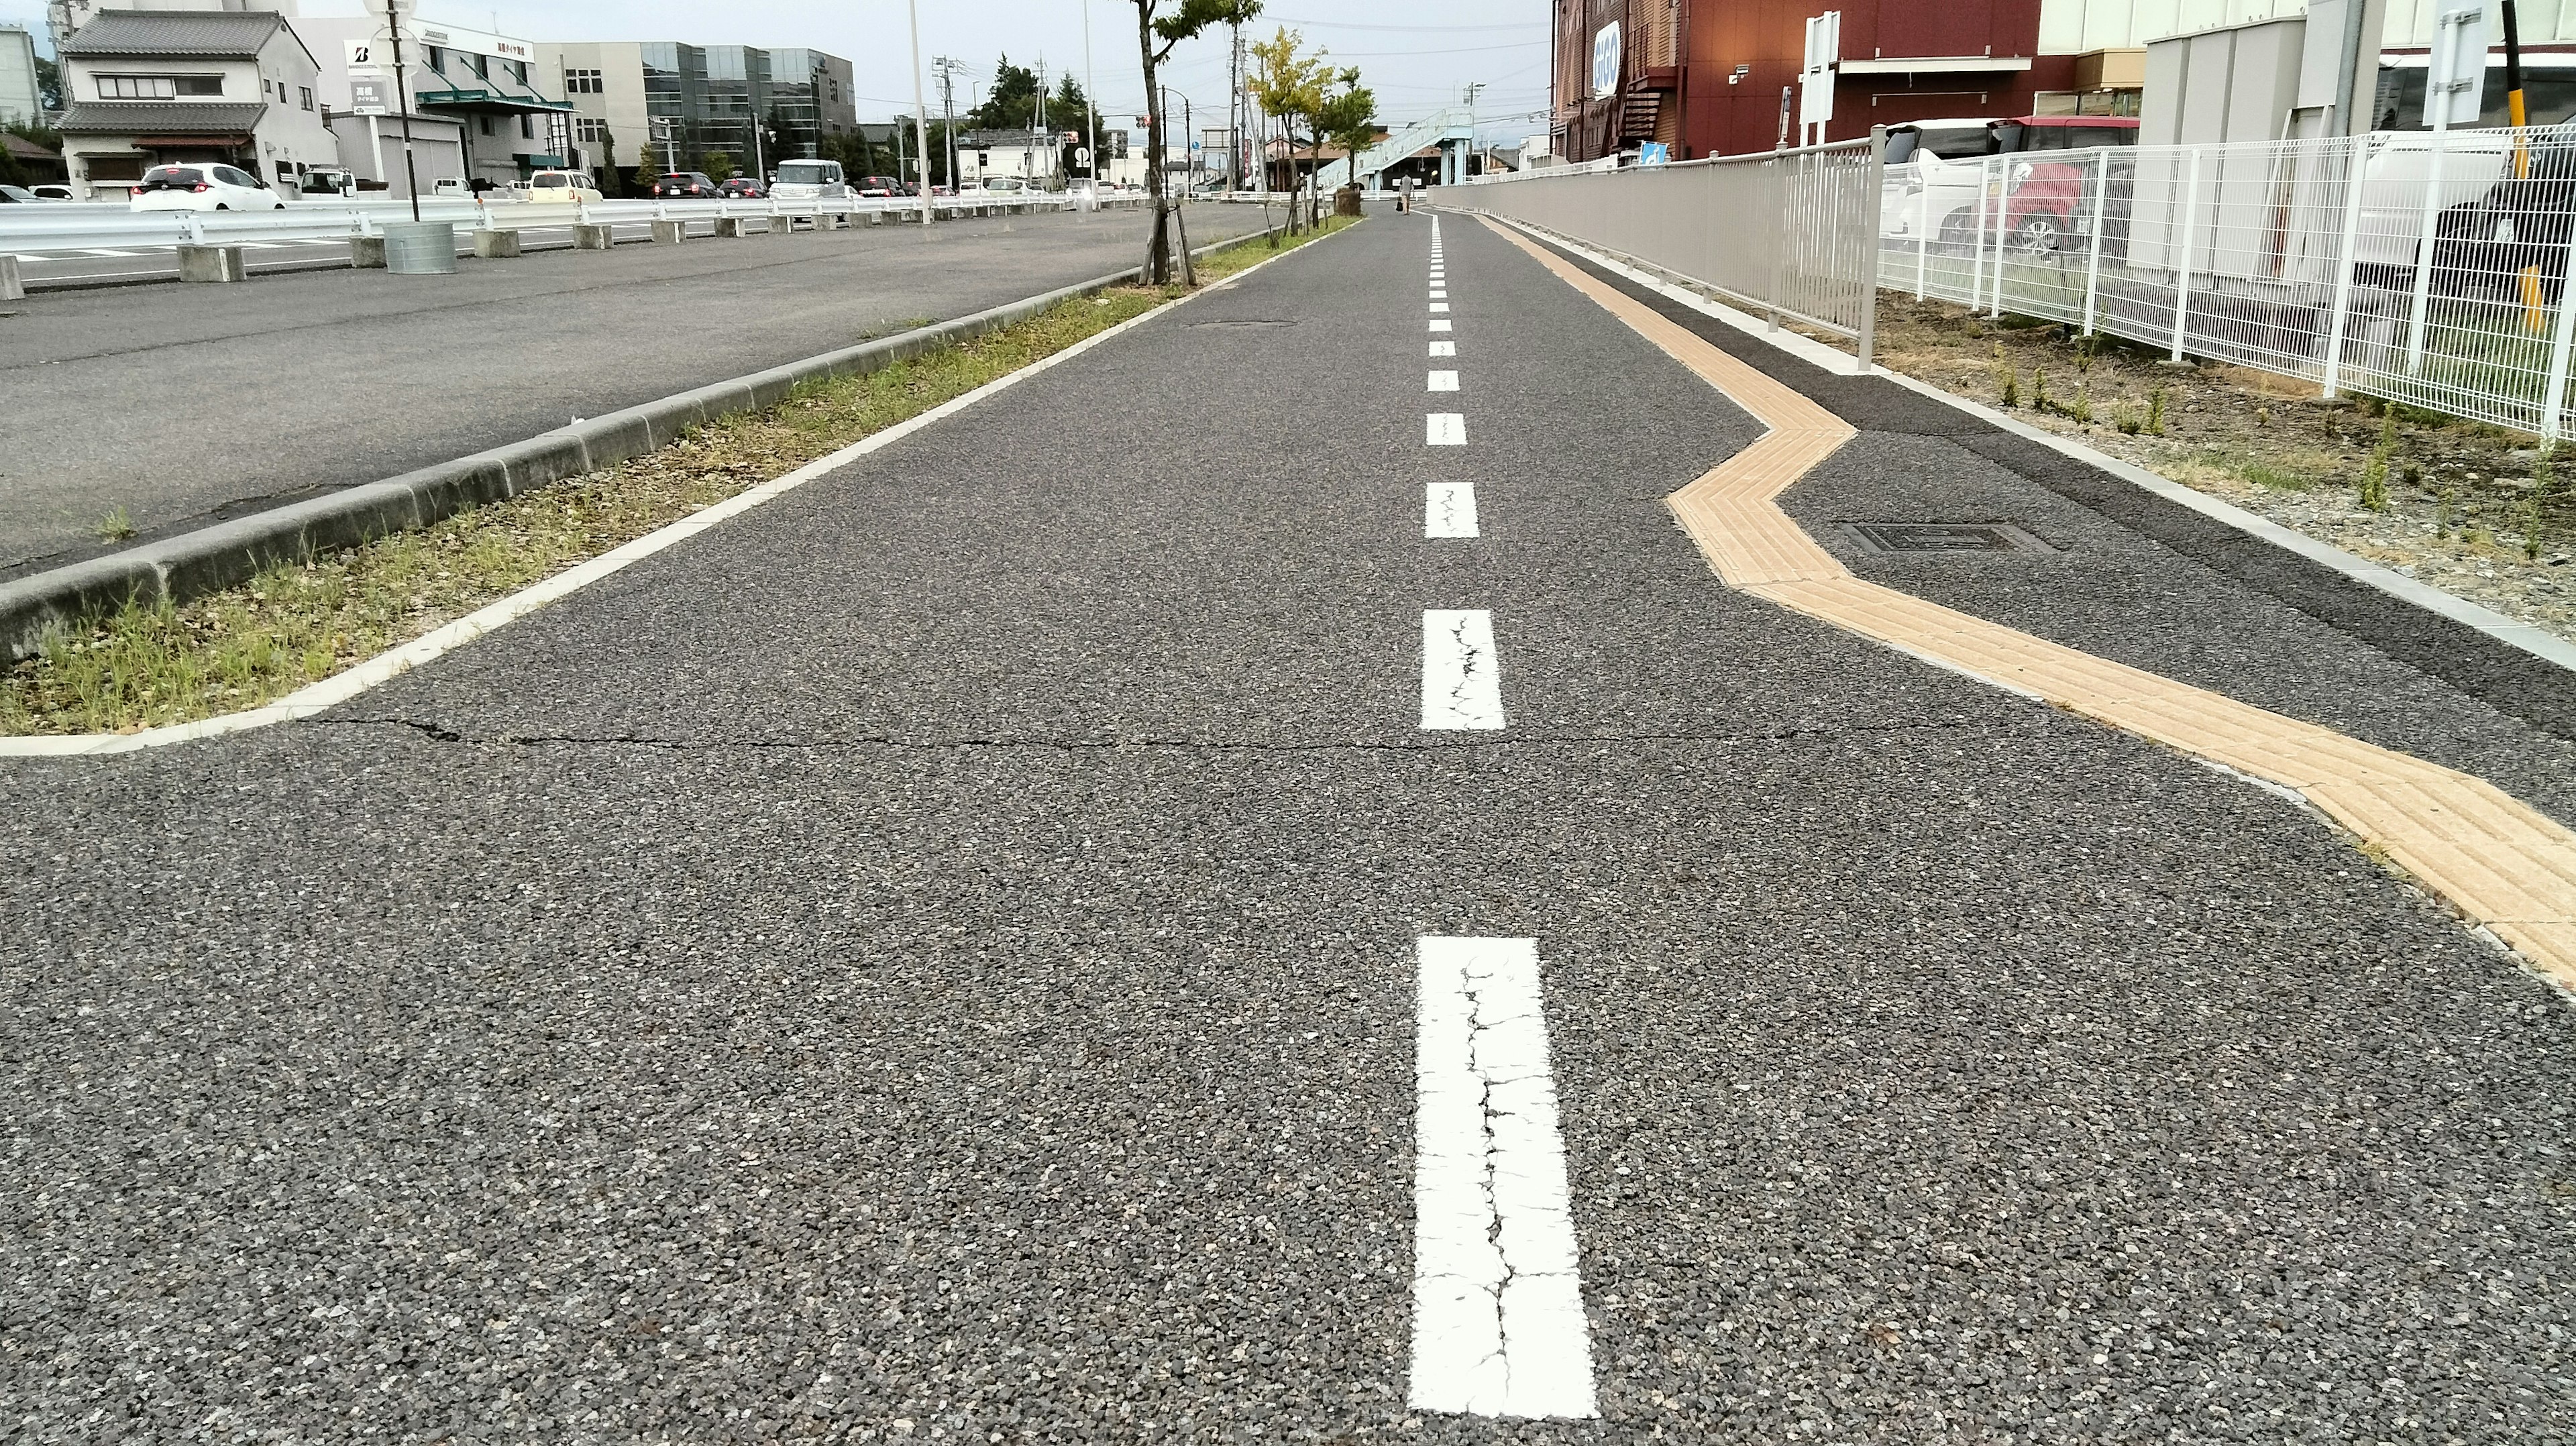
{"x": 1440, "y": 296}
{"x": 1438, "y": 307}
{"x": 1439, "y": 325}
{"x": 1461, "y": 679}
{"x": 1498, "y": 1323}
{"x": 1444, "y": 348}
{"x": 103, "y": 251}
{"x": 1442, "y": 382}
{"x": 1449, "y": 510}
{"x": 1444, "y": 429}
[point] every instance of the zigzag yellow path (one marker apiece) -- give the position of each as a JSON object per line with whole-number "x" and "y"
{"x": 2495, "y": 858}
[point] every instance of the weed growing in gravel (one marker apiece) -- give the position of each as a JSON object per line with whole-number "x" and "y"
{"x": 2082, "y": 411}
{"x": 2155, "y": 423}
{"x": 154, "y": 664}
{"x": 116, "y": 526}
{"x": 2039, "y": 390}
{"x": 2374, "y": 473}
{"x": 2446, "y": 513}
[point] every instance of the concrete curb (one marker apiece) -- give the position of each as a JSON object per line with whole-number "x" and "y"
{"x": 2519, "y": 636}
{"x": 194, "y": 564}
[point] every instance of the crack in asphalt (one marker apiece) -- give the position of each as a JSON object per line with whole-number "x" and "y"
{"x": 443, "y": 734}
{"x": 1469, "y": 656}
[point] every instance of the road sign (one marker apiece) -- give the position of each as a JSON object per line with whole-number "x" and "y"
{"x": 1653, "y": 153}
{"x": 371, "y": 95}
{"x": 1816, "y": 76}
{"x": 2456, "y": 74}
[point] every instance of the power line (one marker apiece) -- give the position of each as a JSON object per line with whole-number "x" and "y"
{"x": 1354, "y": 25}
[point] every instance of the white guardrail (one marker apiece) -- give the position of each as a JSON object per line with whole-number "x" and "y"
{"x": 74, "y": 228}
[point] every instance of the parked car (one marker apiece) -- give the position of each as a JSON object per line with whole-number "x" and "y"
{"x": 1004, "y": 184}
{"x": 1935, "y": 194}
{"x": 743, "y": 188}
{"x": 2049, "y": 197}
{"x": 565, "y": 187}
{"x": 808, "y": 180}
{"x": 21, "y": 196}
{"x": 328, "y": 181}
{"x": 202, "y": 188}
{"x": 878, "y": 186}
{"x": 672, "y": 185}
{"x": 453, "y": 188}
{"x": 53, "y": 193}
{"x": 2481, "y": 246}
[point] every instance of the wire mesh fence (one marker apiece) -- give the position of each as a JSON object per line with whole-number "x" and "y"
{"x": 2426, "y": 268}
{"x": 1787, "y": 232}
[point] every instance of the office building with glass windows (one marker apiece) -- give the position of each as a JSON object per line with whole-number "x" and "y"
{"x": 701, "y": 107}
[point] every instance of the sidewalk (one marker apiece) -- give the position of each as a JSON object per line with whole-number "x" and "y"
{"x": 989, "y": 942}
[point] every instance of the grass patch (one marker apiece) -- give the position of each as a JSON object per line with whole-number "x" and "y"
{"x": 2279, "y": 479}
{"x": 148, "y": 666}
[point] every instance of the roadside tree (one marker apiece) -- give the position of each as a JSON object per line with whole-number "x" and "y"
{"x": 1289, "y": 85}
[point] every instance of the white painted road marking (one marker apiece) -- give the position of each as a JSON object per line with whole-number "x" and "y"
{"x": 1439, "y": 326}
{"x": 1462, "y": 684}
{"x": 1438, "y": 307}
{"x": 1444, "y": 348}
{"x": 1444, "y": 429}
{"x": 1449, "y": 509}
{"x": 103, "y": 251}
{"x": 1443, "y": 382}
{"x": 1440, "y": 296}
{"x": 1498, "y": 1323}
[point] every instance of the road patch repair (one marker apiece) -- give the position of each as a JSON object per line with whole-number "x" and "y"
{"x": 2502, "y": 863}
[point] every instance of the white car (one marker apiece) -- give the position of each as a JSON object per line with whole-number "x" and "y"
{"x": 1936, "y": 170}
{"x": 567, "y": 187}
{"x": 203, "y": 188}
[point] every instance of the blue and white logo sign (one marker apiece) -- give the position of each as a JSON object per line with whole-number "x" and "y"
{"x": 1605, "y": 60}
{"x": 1653, "y": 153}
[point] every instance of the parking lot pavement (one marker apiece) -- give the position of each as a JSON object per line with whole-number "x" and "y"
{"x": 1118, "y": 928}
{"x": 189, "y": 405}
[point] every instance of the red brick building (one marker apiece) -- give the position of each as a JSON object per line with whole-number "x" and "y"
{"x": 1705, "y": 76}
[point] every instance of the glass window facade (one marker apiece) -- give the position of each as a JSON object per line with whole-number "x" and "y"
{"x": 753, "y": 106}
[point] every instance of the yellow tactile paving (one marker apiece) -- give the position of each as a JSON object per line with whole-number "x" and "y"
{"x": 2495, "y": 858}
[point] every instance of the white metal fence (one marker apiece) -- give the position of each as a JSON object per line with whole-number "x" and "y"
{"x": 1792, "y": 233}
{"x": 2426, "y": 269}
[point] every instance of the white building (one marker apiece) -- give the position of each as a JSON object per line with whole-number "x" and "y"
{"x": 480, "y": 108}
{"x": 19, "y": 98}
{"x": 147, "y": 88}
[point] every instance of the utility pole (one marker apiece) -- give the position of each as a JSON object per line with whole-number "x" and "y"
{"x": 402, "y": 98}
{"x": 1473, "y": 88}
{"x": 920, "y": 112}
{"x": 1090, "y": 99}
{"x": 948, "y": 69}
{"x": 1233, "y": 112}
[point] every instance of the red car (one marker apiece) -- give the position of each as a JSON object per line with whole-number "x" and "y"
{"x": 2049, "y": 197}
{"x": 743, "y": 188}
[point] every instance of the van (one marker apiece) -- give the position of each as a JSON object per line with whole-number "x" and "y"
{"x": 563, "y": 186}
{"x": 807, "y": 180}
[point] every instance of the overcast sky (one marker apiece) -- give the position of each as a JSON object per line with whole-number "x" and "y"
{"x": 1416, "y": 54}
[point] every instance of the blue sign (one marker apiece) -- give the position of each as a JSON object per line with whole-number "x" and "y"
{"x": 1653, "y": 153}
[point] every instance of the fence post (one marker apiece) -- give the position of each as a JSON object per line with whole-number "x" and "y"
{"x": 1877, "y": 193}
{"x": 2424, "y": 254}
{"x": 2340, "y": 324}
{"x": 2550, "y": 430}
{"x": 2101, "y": 218}
{"x": 1922, "y": 229}
{"x": 2182, "y": 261}
{"x": 1779, "y": 238}
{"x": 2002, "y": 183}
{"x": 1977, "y": 267}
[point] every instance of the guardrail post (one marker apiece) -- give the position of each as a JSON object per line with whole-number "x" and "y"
{"x": 2551, "y": 429}
{"x": 11, "y": 288}
{"x": 2182, "y": 260}
{"x": 2341, "y": 322}
{"x": 1877, "y": 178}
{"x": 2101, "y": 223}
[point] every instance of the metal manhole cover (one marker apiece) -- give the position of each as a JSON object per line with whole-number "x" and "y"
{"x": 1920, "y": 538}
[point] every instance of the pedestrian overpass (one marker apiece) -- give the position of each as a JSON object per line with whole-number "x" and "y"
{"x": 1452, "y": 129}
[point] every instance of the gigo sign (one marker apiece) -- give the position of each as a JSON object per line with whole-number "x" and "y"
{"x": 1605, "y": 60}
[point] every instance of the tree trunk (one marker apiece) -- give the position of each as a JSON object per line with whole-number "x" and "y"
{"x": 1158, "y": 258}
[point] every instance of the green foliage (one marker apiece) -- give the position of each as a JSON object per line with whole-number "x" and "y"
{"x": 1010, "y": 102}
{"x": 1349, "y": 117}
{"x": 2082, "y": 411}
{"x": 2544, "y": 490}
{"x": 2128, "y": 422}
{"x": 49, "y": 94}
{"x": 2039, "y": 390}
{"x": 718, "y": 165}
{"x": 2155, "y": 424}
{"x": 2012, "y": 388}
{"x": 2374, "y": 473}
{"x": 116, "y": 526}
{"x": 2446, "y": 514}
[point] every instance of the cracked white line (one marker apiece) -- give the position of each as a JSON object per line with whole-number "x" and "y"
{"x": 1498, "y": 1323}
{"x": 1449, "y": 509}
{"x": 1444, "y": 429}
{"x": 1444, "y": 348}
{"x": 1442, "y": 382}
{"x": 1461, "y": 676}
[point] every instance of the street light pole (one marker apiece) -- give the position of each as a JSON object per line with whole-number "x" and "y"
{"x": 920, "y": 113}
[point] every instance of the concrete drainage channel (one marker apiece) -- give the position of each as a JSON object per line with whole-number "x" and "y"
{"x": 194, "y": 564}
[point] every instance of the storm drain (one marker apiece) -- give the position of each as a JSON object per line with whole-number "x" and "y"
{"x": 1916, "y": 539}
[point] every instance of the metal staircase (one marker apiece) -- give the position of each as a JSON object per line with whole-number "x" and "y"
{"x": 1454, "y": 123}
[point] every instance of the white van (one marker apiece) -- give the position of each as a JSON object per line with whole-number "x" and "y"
{"x": 1934, "y": 170}
{"x": 807, "y": 180}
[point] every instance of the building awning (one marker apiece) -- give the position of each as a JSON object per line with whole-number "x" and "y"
{"x": 1933, "y": 65}
{"x": 489, "y": 95}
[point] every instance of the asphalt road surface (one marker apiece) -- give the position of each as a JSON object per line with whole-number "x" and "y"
{"x": 1002, "y": 943}
{"x": 188, "y": 405}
